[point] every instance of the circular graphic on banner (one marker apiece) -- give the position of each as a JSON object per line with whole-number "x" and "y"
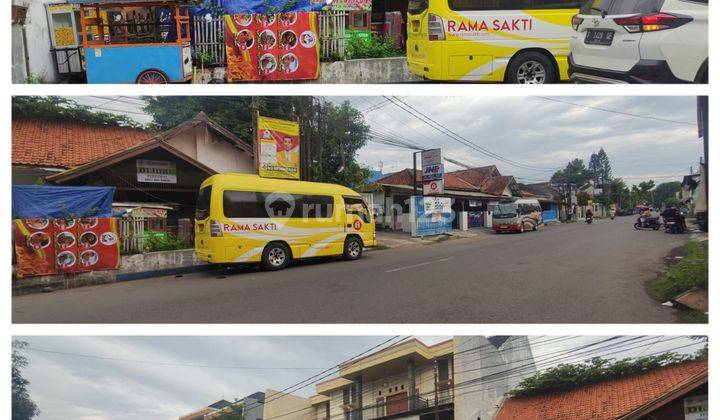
{"x": 37, "y": 223}
{"x": 288, "y": 63}
{"x": 243, "y": 19}
{"x": 38, "y": 240}
{"x": 88, "y": 239}
{"x": 308, "y": 39}
{"x": 65, "y": 240}
{"x": 265, "y": 20}
{"x": 64, "y": 223}
{"x": 266, "y": 39}
{"x": 108, "y": 238}
{"x": 88, "y": 258}
{"x": 288, "y": 40}
{"x": 65, "y": 259}
{"x": 88, "y": 222}
{"x": 357, "y": 225}
{"x": 267, "y": 64}
{"x": 288, "y": 18}
{"x": 245, "y": 39}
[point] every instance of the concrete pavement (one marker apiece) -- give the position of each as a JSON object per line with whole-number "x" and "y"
{"x": 560, "y": 274}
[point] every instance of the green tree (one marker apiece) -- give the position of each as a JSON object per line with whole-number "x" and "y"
{"x": 23, "y": 407}
{"x": 594, "y": 169}
{"x": 619, "y": 193}
{"x": 604, "y": 168}
{"x": 333, "y": 133}
{"x": 575, "y": 172}
{"x": 664, "y": 193}
{"x": 63, "y": 109}
{"x": 642, "y": 191}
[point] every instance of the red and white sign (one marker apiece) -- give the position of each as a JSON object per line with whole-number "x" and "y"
{"x": 434, "y": 187}
{"x": 357, "y": 225}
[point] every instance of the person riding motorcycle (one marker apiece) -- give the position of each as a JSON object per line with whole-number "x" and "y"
{"x": 671, "y": 213}
{"x": 588, "y": 215}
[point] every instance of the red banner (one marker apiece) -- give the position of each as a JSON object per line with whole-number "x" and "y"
{"x": 52, "y": 246}
{"x": 272, "y": 47}
{"x": 34, "y": 249}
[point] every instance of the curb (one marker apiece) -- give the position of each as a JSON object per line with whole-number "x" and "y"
{"x": 164, "y": 272}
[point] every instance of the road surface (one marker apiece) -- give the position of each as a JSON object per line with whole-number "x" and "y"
{"x": 561, "y": 274}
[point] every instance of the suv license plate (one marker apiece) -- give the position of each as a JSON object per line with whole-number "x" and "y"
{"x": 599, "y": 37}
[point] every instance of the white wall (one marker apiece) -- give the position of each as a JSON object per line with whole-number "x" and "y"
{"x": 475, "y": 359}
{"x": 38, "y": 43}
{"x": 212, "y": 150}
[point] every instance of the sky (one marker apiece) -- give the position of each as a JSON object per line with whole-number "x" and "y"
{"x": 645, "y": 137}
{"x": 149, "y": 384}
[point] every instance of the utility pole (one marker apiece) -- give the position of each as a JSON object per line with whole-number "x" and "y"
{"x": 414, "y": 175}
{"x": 435, "y": 374}
{"x": 255, "y": 109}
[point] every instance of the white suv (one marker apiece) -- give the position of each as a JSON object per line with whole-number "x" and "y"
{"x": 640, "y": 41}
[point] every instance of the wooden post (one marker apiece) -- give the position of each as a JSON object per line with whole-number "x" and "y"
{"x": 255, "y": 107}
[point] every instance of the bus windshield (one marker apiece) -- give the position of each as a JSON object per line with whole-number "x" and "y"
{"x": 505, "y": 210}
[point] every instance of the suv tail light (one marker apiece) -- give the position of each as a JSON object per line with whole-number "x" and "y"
{"x": 576, "y": 22}
{"x": 215, "y": 229}
{"x": 436, "y": 32}
{"x": 651, "y": 23}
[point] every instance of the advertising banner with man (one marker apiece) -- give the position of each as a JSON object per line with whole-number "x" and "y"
{"x": 278, "y": 146}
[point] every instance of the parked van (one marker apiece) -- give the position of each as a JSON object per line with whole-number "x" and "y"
{"x": 517, "y": 216}
{"x": 515, "y": 41}
{"x": 245, "y": 219}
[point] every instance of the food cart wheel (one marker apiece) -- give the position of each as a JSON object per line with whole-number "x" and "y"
{"x": 152, "y": 77}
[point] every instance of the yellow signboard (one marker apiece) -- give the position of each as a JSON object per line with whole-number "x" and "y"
{"x": 278, "y": 148}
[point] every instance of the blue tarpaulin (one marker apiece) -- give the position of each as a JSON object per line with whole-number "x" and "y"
{"x": 37, "y": 201}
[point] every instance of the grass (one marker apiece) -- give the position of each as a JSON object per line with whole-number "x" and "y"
{"x": 691, "y": 271}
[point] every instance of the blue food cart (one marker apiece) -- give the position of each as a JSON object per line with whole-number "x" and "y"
{"x": 135, "y": 41}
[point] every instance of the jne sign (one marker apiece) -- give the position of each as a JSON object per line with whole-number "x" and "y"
{"x": 433, "y": 172}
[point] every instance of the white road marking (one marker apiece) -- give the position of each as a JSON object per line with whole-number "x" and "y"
{"x": 418, "y": 265}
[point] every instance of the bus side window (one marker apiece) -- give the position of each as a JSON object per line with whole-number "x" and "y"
{"x": 239, "y": 204}
{"x": 357, "y": 206}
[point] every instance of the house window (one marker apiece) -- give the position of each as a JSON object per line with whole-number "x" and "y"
{"x": 443, "y": 369}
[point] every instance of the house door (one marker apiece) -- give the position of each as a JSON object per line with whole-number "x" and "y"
{"x": 397, "y": 403}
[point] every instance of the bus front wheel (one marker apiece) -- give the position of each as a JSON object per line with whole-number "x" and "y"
{"x": 531, "y": 68}
{"x": 353, "y": 248}
{"x": 276, "y": 256}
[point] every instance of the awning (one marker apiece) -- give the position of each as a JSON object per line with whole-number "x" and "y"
{"x": 46, "y": 202}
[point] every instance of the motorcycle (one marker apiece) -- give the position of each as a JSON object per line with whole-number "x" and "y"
{"x": 674, "y": 225}
{"x": 649, "y": 223}
{"x": 588, "y": 219}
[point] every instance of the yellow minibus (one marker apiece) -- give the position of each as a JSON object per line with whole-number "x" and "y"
{"x": 512, "y": 41}
{"x": 244, "y": 218}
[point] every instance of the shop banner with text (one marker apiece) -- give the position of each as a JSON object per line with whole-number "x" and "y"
{"x": 53, "y": 246}
{"x": 272, "y": 47}
{"x": 278, "y": 146}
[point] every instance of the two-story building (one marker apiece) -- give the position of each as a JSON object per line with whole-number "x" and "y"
{"x": 412, "y": 380}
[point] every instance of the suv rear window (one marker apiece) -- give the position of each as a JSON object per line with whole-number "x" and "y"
{"x": 620, "y": 7}
{"x": 416, "y": 7}
{"x": 202, "y": 208}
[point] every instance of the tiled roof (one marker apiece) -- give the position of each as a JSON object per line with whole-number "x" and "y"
{"x": 609, "y": 399}
{"x": 64, "y": 144}
{"x": 485, "y": 179}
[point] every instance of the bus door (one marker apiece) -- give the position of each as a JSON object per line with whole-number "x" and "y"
{"x": 358, "y": 219}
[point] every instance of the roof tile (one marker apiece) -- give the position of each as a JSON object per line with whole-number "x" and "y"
{"x": 602, "y": 400}
{"x": 66, "y": 144}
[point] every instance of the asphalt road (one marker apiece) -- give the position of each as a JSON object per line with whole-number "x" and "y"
{"x": 560, "y": 274}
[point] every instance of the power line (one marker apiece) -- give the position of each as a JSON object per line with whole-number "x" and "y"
{"x": 613, "y": 111}
{"x": 457, "y": 137}
{"x": 161, "y": 363}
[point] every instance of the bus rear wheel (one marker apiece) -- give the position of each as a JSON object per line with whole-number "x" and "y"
{"x": 276, "y": 256}
{"x": 353, "y": 248}
{"x": 531, "y": 68}
{"x": 152, "y": 77}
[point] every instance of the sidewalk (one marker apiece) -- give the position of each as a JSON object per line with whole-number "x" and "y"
{"x": 396, "y": 239}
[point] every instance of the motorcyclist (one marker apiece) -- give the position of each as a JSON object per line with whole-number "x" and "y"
{"x": 588, "y": 213}
{"x": 672, "y": 213}
{"x": 645, "y": 215}
{"x": 612, "y": 213}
